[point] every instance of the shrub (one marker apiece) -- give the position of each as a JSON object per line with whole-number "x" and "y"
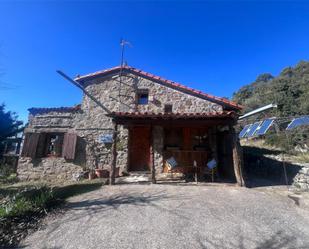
{"x": 288, "y": 140}
{"x": 33, "y": 199}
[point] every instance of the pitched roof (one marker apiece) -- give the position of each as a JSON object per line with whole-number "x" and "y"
{"x": 178, "y": 115}
{"x": 39, "y": 110}
{"x": 168, "y": 83}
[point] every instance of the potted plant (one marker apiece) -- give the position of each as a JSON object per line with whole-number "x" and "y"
{"x": 99, "y": 173}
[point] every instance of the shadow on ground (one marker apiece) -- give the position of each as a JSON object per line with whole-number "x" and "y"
{"x": 63, "y": 192}
{"x": 94, "y": 207}
{"x": 277, "y": 241}
{"x": 264, "y": 171}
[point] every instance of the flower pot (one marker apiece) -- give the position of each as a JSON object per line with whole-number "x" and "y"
{"x": 99, "y": 173}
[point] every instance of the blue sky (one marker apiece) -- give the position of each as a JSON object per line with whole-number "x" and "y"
{"x": 213, "y": 46}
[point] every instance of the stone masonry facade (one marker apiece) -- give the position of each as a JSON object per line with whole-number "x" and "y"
{"x": 90, "y": 122}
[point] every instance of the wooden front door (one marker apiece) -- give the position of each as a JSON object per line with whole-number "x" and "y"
{"x": 139, "y": 157}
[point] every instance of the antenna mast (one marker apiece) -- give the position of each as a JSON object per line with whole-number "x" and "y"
{"x": 123, "y": 43}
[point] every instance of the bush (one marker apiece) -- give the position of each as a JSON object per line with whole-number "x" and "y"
{"x": 288, "y": 140}
{"x": 15, "y": 207}
{"x": 22, "y": 208}
{"x": 33, "y": 199}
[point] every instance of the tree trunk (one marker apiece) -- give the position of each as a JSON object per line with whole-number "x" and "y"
{"x": 237, "y": 159}
{"x": 114, "y": 156}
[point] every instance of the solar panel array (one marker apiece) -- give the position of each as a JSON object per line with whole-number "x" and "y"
{"x": 296, "y": 122}
{"x": 244, "y": 131}
{"x": 261, "y": 127}
{"x": 264, "y": 127}
{"x": 256, "y": 129}
{"x": 253, "y": 129}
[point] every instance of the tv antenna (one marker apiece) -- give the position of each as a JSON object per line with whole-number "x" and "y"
{"x": 123, "y": 43}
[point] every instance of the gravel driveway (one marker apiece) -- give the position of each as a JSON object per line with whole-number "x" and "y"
{"x": 169, "y": 216}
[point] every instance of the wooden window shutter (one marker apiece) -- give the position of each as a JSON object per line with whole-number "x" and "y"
{"x": 30, "y": 145}
{"x": 69, "y": 146}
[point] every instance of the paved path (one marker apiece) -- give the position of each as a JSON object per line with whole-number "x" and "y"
{"x": 168, "y": 216}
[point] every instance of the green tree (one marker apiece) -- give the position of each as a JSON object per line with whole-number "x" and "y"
{"x": 9, "y": 123}
{"x": 290, "y": 90}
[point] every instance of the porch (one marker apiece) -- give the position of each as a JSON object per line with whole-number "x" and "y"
{"x": 191, "y": 140}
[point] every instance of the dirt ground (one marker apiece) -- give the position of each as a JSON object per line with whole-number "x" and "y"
{"x": 172, "y": 216}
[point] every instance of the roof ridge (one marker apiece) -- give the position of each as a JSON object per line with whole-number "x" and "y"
{"x": 35, "y": 110}
{"x": 167, "y": 82}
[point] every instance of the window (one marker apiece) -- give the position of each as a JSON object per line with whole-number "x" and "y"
{"x": 53, "y": 144}
{"x": 168, "y": 108}
{"x": 200, "y": 139}
{"x": 173, "y": 138}
{"x": 142, "y": 96}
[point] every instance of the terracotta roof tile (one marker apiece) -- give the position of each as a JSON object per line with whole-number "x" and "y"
{"x": 38, "y": 110}
{"x": 178, "y": 115}
{"x": 166, "y": 82}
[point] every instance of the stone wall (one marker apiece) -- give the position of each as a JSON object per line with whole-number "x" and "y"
{"x": 91, "y": 122}
{"x": 107, "y": 91}
{"x": 47, "y": 169}
{"x": 52, "y": 119}
{"x": 158, "y": 135}
{"x": 301, "y": 180}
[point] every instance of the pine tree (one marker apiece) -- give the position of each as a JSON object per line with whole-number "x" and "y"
{"x": 9, "y": 123}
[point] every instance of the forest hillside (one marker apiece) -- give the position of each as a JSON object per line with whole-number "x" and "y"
{"x": 290, "y": 91}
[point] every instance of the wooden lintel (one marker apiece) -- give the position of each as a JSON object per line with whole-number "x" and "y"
{"x": 167, "y": 123}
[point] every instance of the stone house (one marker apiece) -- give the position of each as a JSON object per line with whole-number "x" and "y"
{"x": 156, "y": 119}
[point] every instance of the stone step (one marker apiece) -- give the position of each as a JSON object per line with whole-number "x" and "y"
{"x": 171, "y": 182}
{"x": 170, "y": 176}
{"x": 135, "y": 177}
{"x": 140, "y": 173}
{"x": 145, "y": 176}
{"x": 132, "y": 179}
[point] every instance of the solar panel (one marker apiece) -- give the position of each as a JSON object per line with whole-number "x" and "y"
{"x": 298, "y": 122}
{"x": 244, "y": 131}
{"x": 253, "y": 129}
{"x": 264, "y": 127}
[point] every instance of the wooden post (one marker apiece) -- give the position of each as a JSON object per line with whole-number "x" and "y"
{"x": 114, "y": 156}
{"x": 129, "y": 148}
{"x": 212, "y": 134}
{"x": 152, "y": 163}
{"x": 237, "y": 158}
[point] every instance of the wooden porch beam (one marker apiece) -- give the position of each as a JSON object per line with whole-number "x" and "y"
{"x": 114, "y": 155}
{"x": 173, "y": 123}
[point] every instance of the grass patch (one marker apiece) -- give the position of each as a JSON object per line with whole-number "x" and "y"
{"x": 10, "y": 179}
{"x": 31, "y": 199}
{"x": 23, "y": 205}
